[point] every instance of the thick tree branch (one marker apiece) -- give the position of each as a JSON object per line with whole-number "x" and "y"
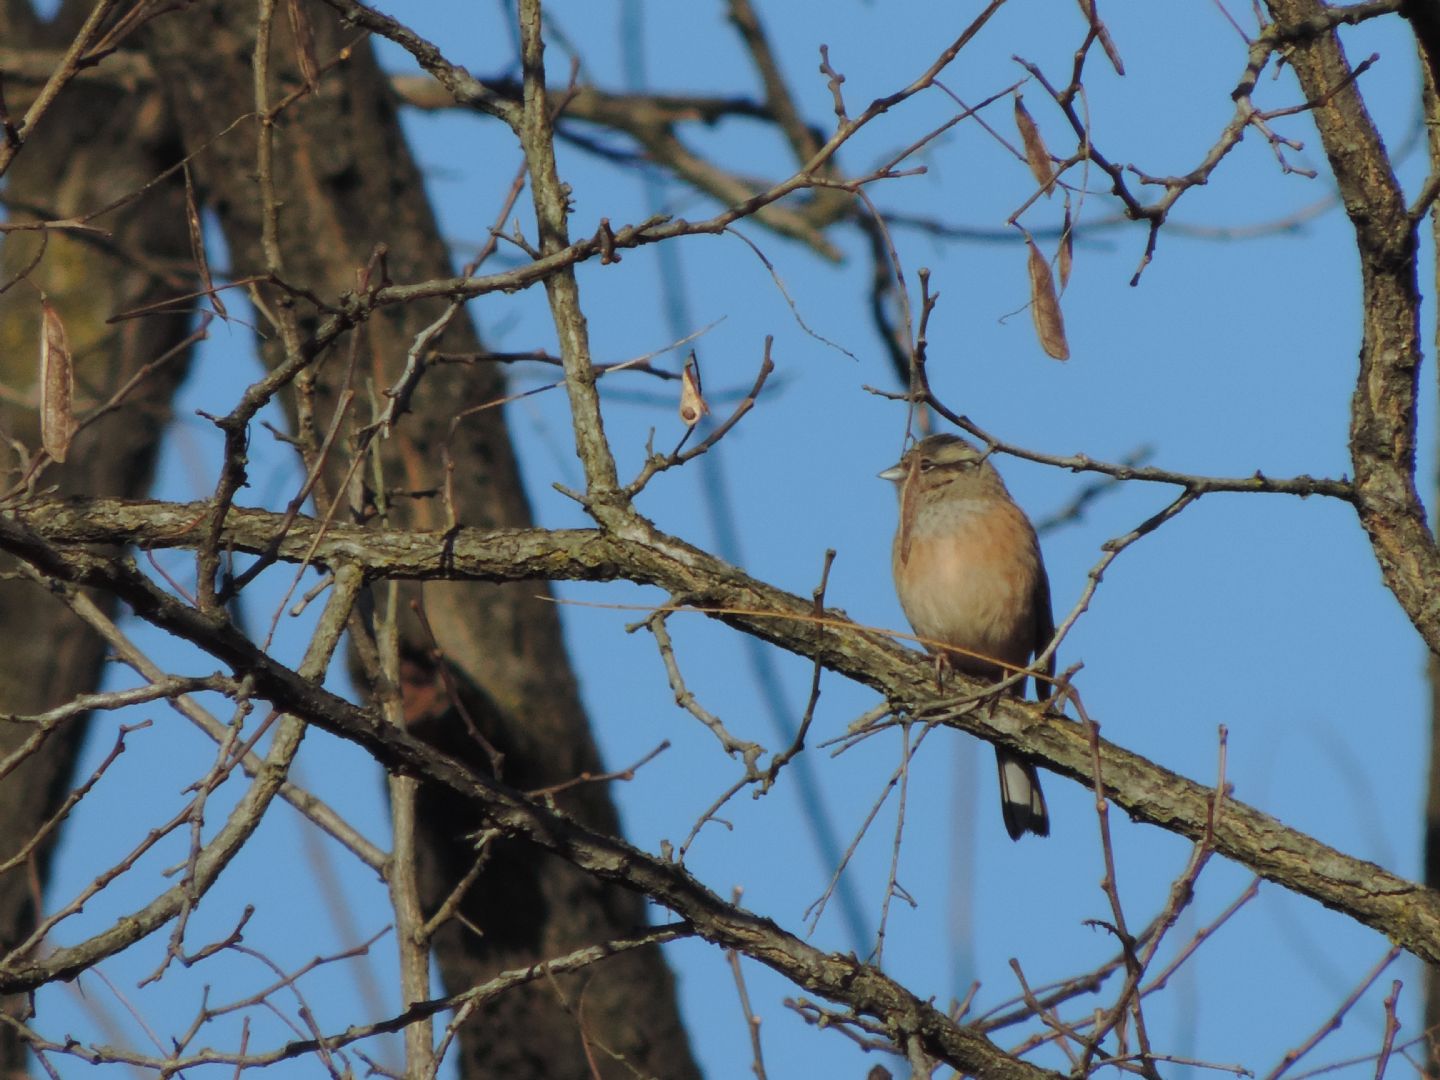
{"x": 1400, "y": 909}
{"x": 839, "y": 978}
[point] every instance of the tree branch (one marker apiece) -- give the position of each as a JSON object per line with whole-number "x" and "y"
{"x": 1402, "y": 910}
{"x": 839, "y": 978}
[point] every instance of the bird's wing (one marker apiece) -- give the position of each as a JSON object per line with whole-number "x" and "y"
{"x": 1044, "y": 626}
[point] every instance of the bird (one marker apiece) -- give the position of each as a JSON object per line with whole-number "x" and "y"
{"x": 973, "y": 586}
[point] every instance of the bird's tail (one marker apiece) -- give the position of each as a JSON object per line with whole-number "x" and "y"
{"x": 1021, "y": 800}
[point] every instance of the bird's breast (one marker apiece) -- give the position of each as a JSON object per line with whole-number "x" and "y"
{"x": 966, "y": 577}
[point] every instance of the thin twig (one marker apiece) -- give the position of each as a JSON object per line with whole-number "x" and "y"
{"x": 1336, "y": 1018}
{"x": 752, "y": 1018}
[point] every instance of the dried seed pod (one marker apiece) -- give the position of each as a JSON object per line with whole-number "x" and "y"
{"x": 57, "y": 382}
{"x": 304, "y": 34}
{"x": 909, "y": 507}
{"x": 1106, "y": 43}
{"x": 1036, "y": 155}
{"x": 1045, "y": 305}
{"x": 1066, "y": 254}
{"x": 197, "y": 246}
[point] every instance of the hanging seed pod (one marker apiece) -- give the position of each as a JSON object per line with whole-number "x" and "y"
{"x": 304, "y": 44}
{"x": 1036, "y": 155}
{"x": 1066, "y": 254}
{"x": 1045, "y": 306}
{"x": 1106, "y": 42}
{"x": 57, "y": 382}
{"x": 197, "y": 246}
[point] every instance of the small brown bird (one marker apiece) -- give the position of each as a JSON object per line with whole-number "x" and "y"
{"x": 969, "y": 574}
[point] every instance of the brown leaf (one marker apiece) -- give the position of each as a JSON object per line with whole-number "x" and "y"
{"x": 692, "y": 403}
{"x": 1036, "y": 156}
{"x": 197, "y": 246}
{"x": 1045, "y": 306}
{"x": 304, "y": 44}
{"x": 57, "y": 381}
{"x": 1066, "y": 254}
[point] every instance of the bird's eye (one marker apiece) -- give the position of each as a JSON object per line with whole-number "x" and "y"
{"x": 926, "y": 464}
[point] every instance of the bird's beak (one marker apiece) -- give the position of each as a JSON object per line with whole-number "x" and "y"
{"x": 895, "y": 472}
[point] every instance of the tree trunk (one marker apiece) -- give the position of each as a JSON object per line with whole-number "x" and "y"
{"x": 1426, "y": 23}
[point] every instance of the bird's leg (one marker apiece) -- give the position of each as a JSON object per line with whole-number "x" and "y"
{"x": 942, "y": 665}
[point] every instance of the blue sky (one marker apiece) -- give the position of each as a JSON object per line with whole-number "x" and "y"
{"x": 1262, "y": 613}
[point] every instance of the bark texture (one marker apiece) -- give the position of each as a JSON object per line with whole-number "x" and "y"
{"x": 1426, "y": 21}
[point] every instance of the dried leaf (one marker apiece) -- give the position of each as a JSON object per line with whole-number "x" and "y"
{"x": 692, "y": 403}
{"x": 57, "y": 382}
{"x": 197, "y": 246}
{"x": 1066, "y": 254}
{"x": 1036, "y": 156}
{"x": 909, "y": 507}
{"x": 304, "y": 44}
{"x": 1045, "y": 306}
